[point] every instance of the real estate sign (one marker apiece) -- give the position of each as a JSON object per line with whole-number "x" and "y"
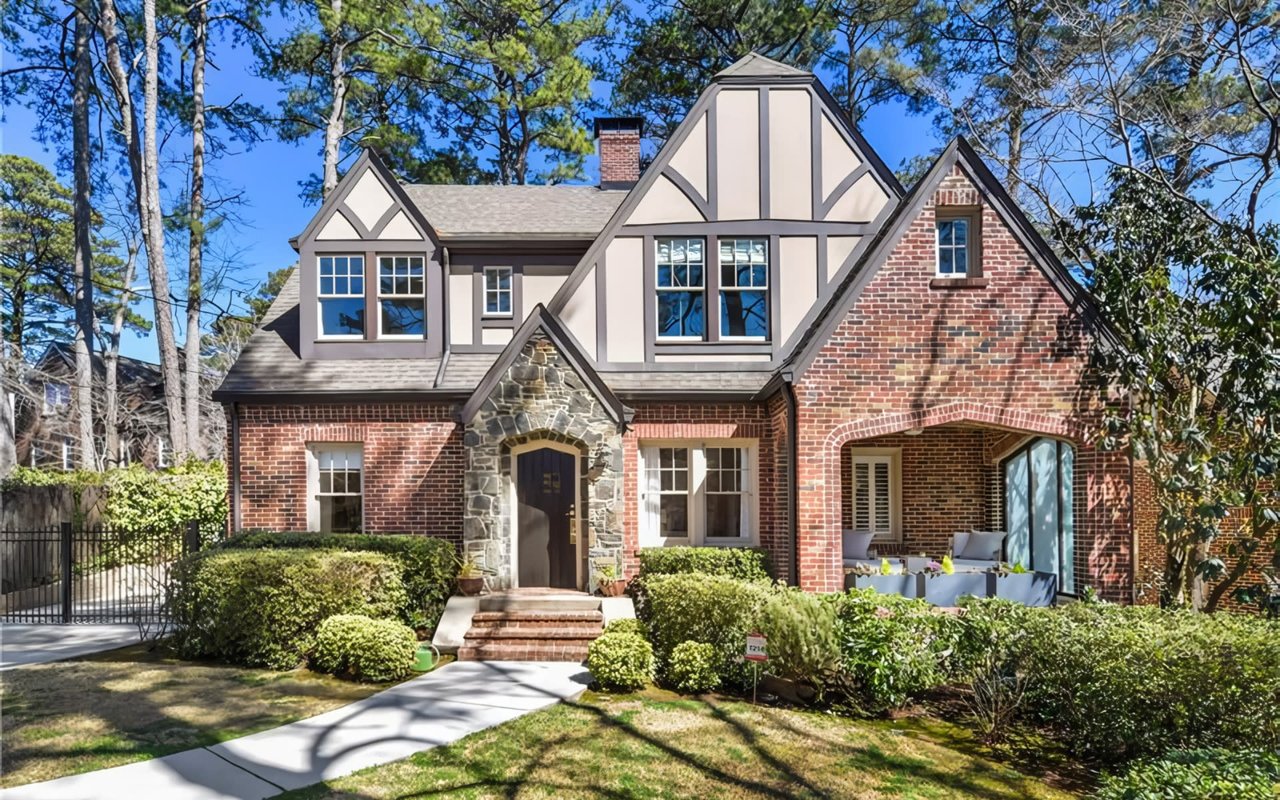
{"x": 757, "y": 647}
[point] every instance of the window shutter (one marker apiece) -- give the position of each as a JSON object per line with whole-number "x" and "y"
{"x": 862, "y": 495}
{"x": 882, "y": 519}
{"x": 650, "y": 500}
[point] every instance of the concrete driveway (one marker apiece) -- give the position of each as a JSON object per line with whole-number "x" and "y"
{"x": 21, "y": 645}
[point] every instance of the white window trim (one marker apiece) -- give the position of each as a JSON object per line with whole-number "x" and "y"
{"x": 162, "y": 455}
{"x": 313, "y": 480}
{"x": 364, "y": 272}
{"x": 968, "y": 246}
{"x": 650, "y": 536}
{"x": 401, "y": 337}
{"x": 894, "y": 455}
{"x": 66, "y": 453}
{"x": 509, "y": 292}
{"x": 766, "y": 289}
{"x": 659, "y": 290}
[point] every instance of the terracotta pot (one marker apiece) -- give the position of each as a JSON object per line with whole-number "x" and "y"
{"x": 612, "y": 588}
{"x": 471, "y": 586}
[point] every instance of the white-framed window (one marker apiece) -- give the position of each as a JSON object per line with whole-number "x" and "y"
{"x": 699, "y": 492}
{"x": 744, "y": 288}
{"x": 876, "y": 492}
{"x": 57, "y": 396}
{"x": 162, "y": 452}
{"x": 335, "y": 478}
{"x": 497, "y": 291}
{"x": 67, "y": 452}
{"x": 402, "y": 302}
{"x": 341, "y": 297}
{"x": 681, "y": 286}
{"x": 954, "y": 251}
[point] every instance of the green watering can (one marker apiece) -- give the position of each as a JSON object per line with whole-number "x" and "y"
{"x": 426, "y": 658}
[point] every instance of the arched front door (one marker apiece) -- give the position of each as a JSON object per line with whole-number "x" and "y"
{"x": 545, "y": 493}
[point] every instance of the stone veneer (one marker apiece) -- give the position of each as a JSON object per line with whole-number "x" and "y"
{"x": 540, "y": 398}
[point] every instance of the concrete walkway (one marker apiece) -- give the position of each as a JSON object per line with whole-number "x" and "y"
{"x": 39, "y": 644}
{"x": 434, "y": 709}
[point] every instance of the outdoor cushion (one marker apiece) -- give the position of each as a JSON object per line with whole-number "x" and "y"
{"x": 856, "y": 543}
{"x": 978, "y": 545}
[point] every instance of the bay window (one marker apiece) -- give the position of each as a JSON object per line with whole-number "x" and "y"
{"x": 696, "y": 493}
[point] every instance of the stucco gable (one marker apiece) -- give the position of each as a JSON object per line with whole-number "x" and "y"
{"x": 368, "y": 204}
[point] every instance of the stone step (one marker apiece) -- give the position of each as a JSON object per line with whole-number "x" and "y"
{"x": 539, "y": 602}
{"x": 582, "y": 634}
{"x": 524, "y": 650}
{"x": 531, "y": 619}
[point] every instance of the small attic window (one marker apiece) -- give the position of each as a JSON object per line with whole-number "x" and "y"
{"x": 957, "y": 244}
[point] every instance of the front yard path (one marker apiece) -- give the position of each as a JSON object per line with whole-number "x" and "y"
{"x": 437, "y": 708}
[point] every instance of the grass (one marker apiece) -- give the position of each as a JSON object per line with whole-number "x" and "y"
{"x": 655, "y": 745}
{"x": 133, "y": 704}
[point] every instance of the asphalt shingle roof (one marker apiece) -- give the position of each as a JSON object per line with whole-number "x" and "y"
{"x": 489, "y": 212}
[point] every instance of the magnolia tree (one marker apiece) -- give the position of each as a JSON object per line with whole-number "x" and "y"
{"x": 1195, "y": 304}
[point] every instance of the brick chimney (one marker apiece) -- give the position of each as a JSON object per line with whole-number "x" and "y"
{"x": 619, "y": 139}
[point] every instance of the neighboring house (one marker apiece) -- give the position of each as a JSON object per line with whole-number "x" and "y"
{"x": 762, "y": 340}
{"x": 47, "y": 427}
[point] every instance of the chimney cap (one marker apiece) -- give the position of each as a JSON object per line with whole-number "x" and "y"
{"x": 619, "y": 125}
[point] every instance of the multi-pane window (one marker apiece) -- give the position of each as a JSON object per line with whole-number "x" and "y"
{"x": 342, "y": 297}
{"x": 953, "y": 247}
{"x": 401, "y": 296}
{"x": 338, "y": 489}
{"x": 744, "y": 288}
{"x": 497, "y": 291}
{"x": 697, "y": 493}
{"x": 681, "y": 282}
{"x": 56, "y": 396}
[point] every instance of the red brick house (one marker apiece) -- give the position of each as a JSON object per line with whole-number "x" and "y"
{"x": 761, "y": 340}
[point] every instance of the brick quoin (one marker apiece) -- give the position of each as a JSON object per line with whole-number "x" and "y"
{"x": 1010, "y": 356}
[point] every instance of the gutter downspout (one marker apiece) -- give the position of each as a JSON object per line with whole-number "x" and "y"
{"x": 444, "y": 356}
{"x": 235, "y": 467}
{"x": 793, "y": 488}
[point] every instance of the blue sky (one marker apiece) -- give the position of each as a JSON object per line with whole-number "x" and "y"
{"x": 268, "y": 175}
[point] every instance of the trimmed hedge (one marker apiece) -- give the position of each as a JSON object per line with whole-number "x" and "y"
{"x": 713, "y": 609}
{"x": 744, "y": 563}
{"x": 1198, "y": 775}
{"x": 693, "y": 668}
{"x": 620, "y": 662}
{"x": 429, "y": 566}
{"x": 364, "y": 649}
{"x": 261, "y": 608}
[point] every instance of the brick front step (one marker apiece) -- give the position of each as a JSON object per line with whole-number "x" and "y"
{"x": 584, "y": 633}
{"x": 524, "y": 650}
{"x": 535, "y": 619}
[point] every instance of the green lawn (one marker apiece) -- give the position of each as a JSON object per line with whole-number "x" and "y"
{"x": 657, "y": 745}
{"x": 132, "y": 704}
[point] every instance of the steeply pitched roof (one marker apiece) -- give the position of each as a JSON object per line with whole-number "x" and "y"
{"x": 754, "y": 65}
{"x": 540, "y": 320}
{"x": 519, "y": 212}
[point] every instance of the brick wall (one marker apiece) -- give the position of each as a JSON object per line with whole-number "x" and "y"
{"x": 413, "y": 464}
{"x": 1007, "y": 353}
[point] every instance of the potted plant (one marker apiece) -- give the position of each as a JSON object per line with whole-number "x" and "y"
{"x": 887, "y": 579}
{"x": 470, "y": 576}
{"x": 1017, "y": 583}
{"x": 607, "y": 580}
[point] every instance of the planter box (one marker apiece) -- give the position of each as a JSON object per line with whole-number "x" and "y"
{"x": 904, "y": 585}
{"x": 945, "y": 590}
{"x": 1027, "y": 588}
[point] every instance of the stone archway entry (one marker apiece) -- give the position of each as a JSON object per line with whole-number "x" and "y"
{"x": 546, "y": 482}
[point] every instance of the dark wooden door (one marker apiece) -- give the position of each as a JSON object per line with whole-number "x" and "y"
{"x": 544, "y": 497}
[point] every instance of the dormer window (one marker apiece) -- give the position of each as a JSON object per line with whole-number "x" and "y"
{"x": 957, "y": 240}
{"x": 497, "y": 291}
{"x": 681, "y": 286}
{"x": 401, "y": 297}
{"x": 341, "y": 297}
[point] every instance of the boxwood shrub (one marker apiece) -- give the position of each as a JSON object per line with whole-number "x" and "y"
{"x": 364, "y": 649}
{"x": 744, "y": 563}
{"x": 1198, "y": 775}
{"x": 261, "y": 608}
{"x": 428, "y": 565}
{"x": 621, "y": 662}
{"x": 712, "y": 609}
{"x": 693, "y": 668}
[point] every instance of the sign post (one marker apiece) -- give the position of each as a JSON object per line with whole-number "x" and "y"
{"x": 757, "y": 652}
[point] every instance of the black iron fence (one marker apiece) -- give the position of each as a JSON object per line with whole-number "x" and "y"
{"x": 87, "y": 575}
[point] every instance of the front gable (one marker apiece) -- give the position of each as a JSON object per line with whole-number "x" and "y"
{"x": 764, "y": 156}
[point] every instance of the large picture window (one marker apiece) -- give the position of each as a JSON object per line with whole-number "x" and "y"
{"x": 698, "y": 493}
{"x": 401, "y": 296}
{"x": 681, "y": 282}
{"x": 744, "y": 288}
{"x": 342, "y": 297}
{"x": 337, "y": 488}
{"x": 1039, "y": 515}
